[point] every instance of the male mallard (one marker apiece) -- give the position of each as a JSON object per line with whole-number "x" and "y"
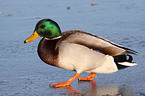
{"x": 79, "y": 51}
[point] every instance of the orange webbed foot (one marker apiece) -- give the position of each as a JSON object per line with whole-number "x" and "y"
{"x": 59, "y": 84}
{"x": 88, "y": 78}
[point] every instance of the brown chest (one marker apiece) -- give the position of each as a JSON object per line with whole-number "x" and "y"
{"x": 47, "y": 52}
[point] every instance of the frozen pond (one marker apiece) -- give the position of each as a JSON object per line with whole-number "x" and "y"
{"x": 22, "y": 73}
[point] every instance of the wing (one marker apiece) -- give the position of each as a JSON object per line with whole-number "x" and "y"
{"x": 94, "y": 42}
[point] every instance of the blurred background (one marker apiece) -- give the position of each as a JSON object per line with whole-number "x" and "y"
{"x": 22, "y": 73}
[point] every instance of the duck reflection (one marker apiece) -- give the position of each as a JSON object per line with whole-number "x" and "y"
{"x": 90, "y": 88}
{"x": 71, "y": 91}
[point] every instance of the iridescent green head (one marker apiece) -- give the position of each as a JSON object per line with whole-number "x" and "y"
{"x": 45, "y": 28}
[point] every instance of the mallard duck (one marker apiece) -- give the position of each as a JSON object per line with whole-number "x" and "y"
{"x": 79, "y": 51}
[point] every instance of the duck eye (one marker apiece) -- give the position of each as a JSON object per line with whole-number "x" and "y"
{"x": 42, "y": 26}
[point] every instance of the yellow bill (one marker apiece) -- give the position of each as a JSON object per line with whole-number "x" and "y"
{"x": 32, "y": 37}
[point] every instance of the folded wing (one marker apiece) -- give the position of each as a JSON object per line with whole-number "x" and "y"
{"x": 94, "y": 42}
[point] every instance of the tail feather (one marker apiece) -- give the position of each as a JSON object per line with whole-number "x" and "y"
{"x": 124, "y": 61}
{"x": 127, "y": 64}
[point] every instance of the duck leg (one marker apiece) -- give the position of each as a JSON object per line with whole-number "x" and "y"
{"x": 59, "y": 84}
{"x": 88, "y": 78}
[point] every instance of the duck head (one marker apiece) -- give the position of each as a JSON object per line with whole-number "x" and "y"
{"x": 45, "y": 28}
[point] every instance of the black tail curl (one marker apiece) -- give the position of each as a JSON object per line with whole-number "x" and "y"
{"x": 122, "y": 58}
